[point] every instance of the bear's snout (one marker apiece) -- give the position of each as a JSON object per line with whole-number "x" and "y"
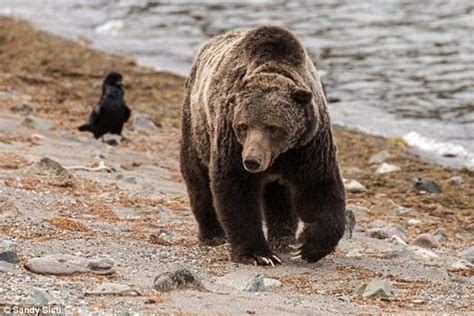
{"x": 252, "y": 164}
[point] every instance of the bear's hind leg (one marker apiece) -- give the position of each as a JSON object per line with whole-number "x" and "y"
{"x": 281, "y": 221}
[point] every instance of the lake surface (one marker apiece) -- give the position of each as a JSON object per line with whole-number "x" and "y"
{"x": 399, "y": 68}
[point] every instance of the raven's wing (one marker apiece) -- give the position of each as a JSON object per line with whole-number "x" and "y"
{"x": 95, "y": 114}
{"x": 127, "y": 112}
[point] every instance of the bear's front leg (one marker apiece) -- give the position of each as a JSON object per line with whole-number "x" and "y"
{"x": 236, "y": 198}
{"x": 320, "y": 203}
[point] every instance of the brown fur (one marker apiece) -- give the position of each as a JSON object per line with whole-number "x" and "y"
{"x": 256, "y": 135}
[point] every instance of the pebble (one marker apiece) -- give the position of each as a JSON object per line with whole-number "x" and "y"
{"x": 351, "y": 171}
{"x": 7, "y": 208}
{"x": 440, "y": 236}
{"x": 422, "y": 253}
{"x": 460, "y": 265}
{"x": 467, "y": 254}
{"x": 426, "y": 185}
{"x": 354, "y": 253}
{"x": 5, "y": 95}
{"x": 112, "y": 289}
{"x": 101, "y": 264}
{"x": 49, "y": 167}
{"x": 381, "y": 230}
{"x": 9, "y": 256}
{"x": 350, "y": 223}
{"x": 379, "y": 157}
{"x": 388, "y": 207}
{"x": 130, "y": 180}
{"x": 269, "y": 282}
{"x": 437, "y": 274}
{"x": 398, "y": 241}
{"x": 456, "y": 180}
{"x": 413, "y": 222}
{"x": 36, "y": 123}
{"x": 38, "y": 298}
{"x": 66, "y": 265}
{"x": 142, "y": 122}
{"x": 175, "y": 279}
{"x": 387, "y": 168}
{"x": 6, "y": 267}
{"x": 427, "y": 241}
{"x": 354, "y": 186}
{"x": 358, "y": 211}
{"x": 376, "y": 288}
{"x": 23, "y": 108}
{"x": 256, "y": 284}
{"x": 7, "y": 244}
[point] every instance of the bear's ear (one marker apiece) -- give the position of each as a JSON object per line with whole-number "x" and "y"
{"x": 301, "y": 96}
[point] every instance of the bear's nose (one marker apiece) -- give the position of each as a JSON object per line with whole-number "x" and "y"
{"x": 252, "y": 164}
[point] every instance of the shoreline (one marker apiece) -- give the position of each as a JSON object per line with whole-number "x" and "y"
{"x": 138, "y": 213}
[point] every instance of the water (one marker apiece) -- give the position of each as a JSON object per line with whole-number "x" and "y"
{"x": 400, "y": 68}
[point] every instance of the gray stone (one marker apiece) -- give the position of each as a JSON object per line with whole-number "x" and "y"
{"x": 351, "y": 171}
{"x": 379, "y": 157}
{"x": 48, "y": 167}
{"x": 387, "y": 168}
{"x": 130, "y": 180}
{"x": 9, "y": 256}
{"x": 269, "y": 283}
{"x": 456, "y": 180}
{"x": 112, "y": 289}
{"x": 388, "y": 207}
{"x": 421, "y": 253}
{"x": 101, "y": 264}
{"x": 354, "y": 186}
{"x": 467, "y": 254}
{"x": 386, "y": 231}
{"x": 7, "y": 208}
{"x": 6, "y": 267}
{"x": 413, "y": 222}
{"x": 38, "y": 298}
{"x": 64, "y": 265}
{"x": 376, "y": 288}
{"x": 176, "y": 279}
{"x": 440, "y": 236}
{"x": 427, "y": 241}
{"x": 142, "y": 122}
{"x": 36, "y": 123}
{"x": 460, "y": 265}
{"x": 425, "y": 184}
{"x": 437, "y": 274}
{"x": 358, "y": 211}
{"x": 256, "y": 284}
{"x": 5, "y": 95}
{"x": 6, "y": 244}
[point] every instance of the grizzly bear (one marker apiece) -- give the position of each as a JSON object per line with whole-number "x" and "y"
{"x": 257, "y": 147}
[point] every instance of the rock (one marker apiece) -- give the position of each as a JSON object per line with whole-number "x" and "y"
{"x": 48, "y": 167}
{"x": 256, "y": 284}
{"x": 351, "y": 171}
{"x": 376, "y": 288}
{"x": 7, "y": 244}
{"x": 413, "y": 222}
{"x": 437, "y": 274}
{"x": 354, "y": 253}
{"x": 387, "y": 168}
{"x": 354, "y": 186}
{"x": 460, "y": 265}
{"x": 5, "y": 95}
{"x": 456, "y": 180}
{"x": 9, "y": 256}
{"x": 379, "y": 157}
{"x": 38, "y": 298}
{"x": 440, "y": 236}
{"x": 467, "y": 254}
{"x": 422, "y": 253}
{"x": 425, "y": 184}
{"x": 398, "y": 241}
{"x": 142, "y": 122}
{"x": 6, "y": 267}
{"x": 350, "y": 223}
{"x": 7, "y": 208}
{"x": 427, "y": 241}
{"x": 101, "y": 264}
{"x": 130, "y": 180}
{"x": 358, "y": 211}
{"x": 388, "y": 207}
{"x": 176, "y": 279}
{"x": 112, "y": 289}
{"x": 386, "y": 231}
{"x": 65, "y": 265}
{"x": 36, "y": 123}
{"x": 268, "y": 282}
{"x": 23, "y": 108}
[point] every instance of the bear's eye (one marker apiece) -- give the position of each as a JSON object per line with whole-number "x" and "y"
{"x": 242, "y": 129}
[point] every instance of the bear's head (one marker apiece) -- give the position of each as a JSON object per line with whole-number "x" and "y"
{"x": 271, "y": 115}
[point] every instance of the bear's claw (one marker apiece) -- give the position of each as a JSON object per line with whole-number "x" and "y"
{"x": 261, "y": 260}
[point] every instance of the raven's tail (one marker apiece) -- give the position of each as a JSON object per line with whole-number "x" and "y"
{"x": 85, "y": 128}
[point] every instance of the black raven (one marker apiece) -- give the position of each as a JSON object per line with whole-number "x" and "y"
{"x": 111, "y": 113}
